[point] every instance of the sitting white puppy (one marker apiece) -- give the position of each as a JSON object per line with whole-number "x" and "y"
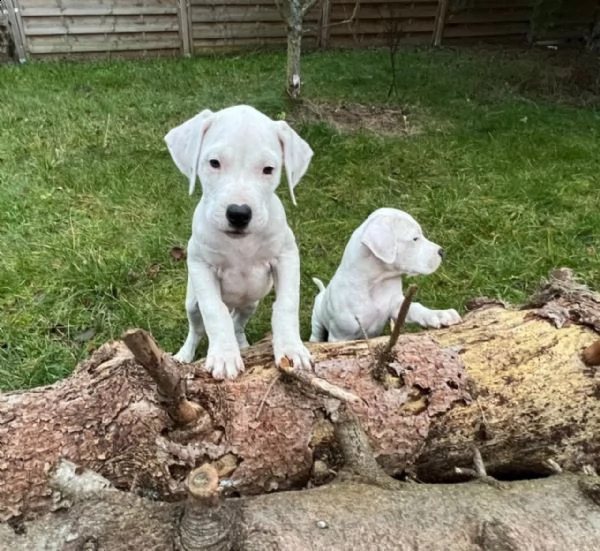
{"x": 366, "y": 290}
{"x": 241, "y": 243}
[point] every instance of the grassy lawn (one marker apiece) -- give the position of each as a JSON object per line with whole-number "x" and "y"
{"x": 507, "y": 180}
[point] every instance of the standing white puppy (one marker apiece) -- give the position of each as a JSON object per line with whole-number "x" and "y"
{"x": 241, "y": 243}
{"x": 366, "y": 290}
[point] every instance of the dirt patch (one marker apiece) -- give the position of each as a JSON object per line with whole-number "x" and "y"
{"x": 563, "y": 72}
{"x": 568, "y": 74}
{"x": 355, "y": 117}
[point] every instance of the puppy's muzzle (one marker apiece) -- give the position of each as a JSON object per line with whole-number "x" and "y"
{"x": 238, "y": 216}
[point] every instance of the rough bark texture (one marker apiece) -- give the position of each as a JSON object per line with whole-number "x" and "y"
{"x": 560, "y": 513}
{"x": 529, "y": 399}
{"x": 106, "y": 416}
{"x": 535, "y": 400}
{"x": 294, "y": 48}
{"x": 294, "y": 19}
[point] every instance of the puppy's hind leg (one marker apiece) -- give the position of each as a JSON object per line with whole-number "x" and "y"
{"x": 240, "y": 319}
{"x": 196, "y": 327}
{"x": 318, "y": 331}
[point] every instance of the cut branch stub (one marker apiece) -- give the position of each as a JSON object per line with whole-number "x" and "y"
{"x": 591, "y": 355}
{"x": 207, "y": 522}
{"x": 203, "y": 484}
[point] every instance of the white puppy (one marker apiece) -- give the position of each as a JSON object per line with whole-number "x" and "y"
{"x": 241, "y": 243}
{"x": 366, "y": 290}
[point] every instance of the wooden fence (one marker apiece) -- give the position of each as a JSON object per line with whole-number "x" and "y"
{"x": 5, "y": 39}
{"x": 82, "y": 28}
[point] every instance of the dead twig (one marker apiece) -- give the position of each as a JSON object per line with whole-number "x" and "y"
{"x": 380, "y": 368}
{"x": 264, "y": 399}
{"x": 479, "y": 472}
{"x": 165, "y": 373}
{"x": 307, "y": 6}
{"x": 401, "y": 319}
{"x": 366, "y": 337}
{"x": 316, "y": 383}
{"x": 338, "y": 23}
{"x": 281, "y": 12}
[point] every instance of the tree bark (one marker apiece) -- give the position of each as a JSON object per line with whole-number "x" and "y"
{"x": 294, "y": 48}
{"x": 294, "y": 20}
{"x": 525, "y": 399}
{"x": 359, "y": 511}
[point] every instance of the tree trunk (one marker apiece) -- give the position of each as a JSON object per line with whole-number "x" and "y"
{"x": 525, "y": 399}
{"x": 359, "y": 511}
{"x": 294, "y": 48}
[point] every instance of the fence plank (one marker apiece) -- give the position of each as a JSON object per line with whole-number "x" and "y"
{"x": 82, "y": 4}
{"x": 383, "y": 11}
{"x": 99, "y": 9}
{"x": 471, "y": 31}
{"x": 324, "y": 23}
{"x": 16, "y": 29}
{"x": 240, "y": 14}
{"x": 103, "y": 46}
{"x": 185, "y": 25}
{"x": 495, "y": 16}
{"x": 440, "y": 22}
{"x": 61, "y": 29}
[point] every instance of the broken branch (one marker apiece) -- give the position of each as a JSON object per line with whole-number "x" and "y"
{"x": 316, "y": 383}
{"x": 281, "y": 12}
{"x": 359, "y": 460}
{"x": 307, "y": 6}
{"x": 338, "y": 23}
{"x": 401, "y": 319}
{"x": 165, "y": 373}
{"x": 379, "y": 371}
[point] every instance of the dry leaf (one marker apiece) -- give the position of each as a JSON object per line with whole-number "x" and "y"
{"x": 153, "y": 270}
{"x": 178, "y": 253}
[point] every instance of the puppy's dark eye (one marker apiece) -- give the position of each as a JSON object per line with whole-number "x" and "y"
{"x": 415, "y": 238}
{"x": 268, "y": 170}
{"x": 214, "y": 163}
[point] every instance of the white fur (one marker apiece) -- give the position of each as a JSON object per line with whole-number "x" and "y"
{"x": 229, "y": 272}
{"x": 366, "y": 290}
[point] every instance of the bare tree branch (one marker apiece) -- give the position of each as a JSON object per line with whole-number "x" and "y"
{"x": 344, "y": 22}
{"x": 307, "y": 6}
{"x": 281, "y": 12}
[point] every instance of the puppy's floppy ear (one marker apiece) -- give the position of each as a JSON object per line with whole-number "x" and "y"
{"x": 185, "y": 143}
{"x": 379, "y": 237}
{"x": 296, "y": 155}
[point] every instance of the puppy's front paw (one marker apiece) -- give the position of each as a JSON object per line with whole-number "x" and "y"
{"x": 439, "y": 318}
{"x": 224, "y": 363}
{"x": 185, "y": 355}
{"x": 295, "y": 352}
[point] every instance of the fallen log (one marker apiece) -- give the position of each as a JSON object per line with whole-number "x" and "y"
{"x": 363, "y": 509}
{"x": 525, "y": 399}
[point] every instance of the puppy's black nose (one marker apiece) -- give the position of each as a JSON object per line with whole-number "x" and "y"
{"x": 441, "y": 253}
{"x": 239, "y": 216}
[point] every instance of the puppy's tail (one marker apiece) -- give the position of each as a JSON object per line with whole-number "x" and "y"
{"x": 319, "y": 284}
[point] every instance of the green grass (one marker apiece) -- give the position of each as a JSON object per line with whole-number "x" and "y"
{"x": 91, "y": 204}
